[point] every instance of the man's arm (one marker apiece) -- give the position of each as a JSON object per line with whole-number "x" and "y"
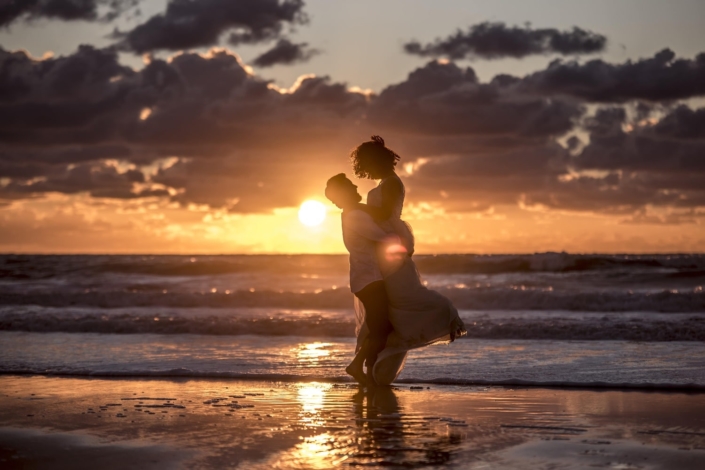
{"x": 391, "y": 192}
{"x": 362, "y": 224}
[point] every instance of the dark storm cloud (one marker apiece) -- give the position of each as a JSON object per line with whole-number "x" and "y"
{"x": 662, "y": 77}
{"x": 13, "y": 10}
{"x": 285, "y": 52}
{"x": 497, "y": 40}
{"x": 187, "y": 24}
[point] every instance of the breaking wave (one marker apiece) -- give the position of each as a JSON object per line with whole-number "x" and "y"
{"x": 474, "y": 298}
{"x": 559, "y": 326}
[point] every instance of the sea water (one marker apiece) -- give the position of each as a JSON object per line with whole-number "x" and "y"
{"x": 552, "y": 318}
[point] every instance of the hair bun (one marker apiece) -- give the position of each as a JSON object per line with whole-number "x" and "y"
{"x": 378, "y": 139}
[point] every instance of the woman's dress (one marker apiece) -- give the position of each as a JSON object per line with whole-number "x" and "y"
{"x": 420, "y": 316}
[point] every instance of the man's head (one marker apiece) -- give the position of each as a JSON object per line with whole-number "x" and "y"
{"x": 342, "y": 192}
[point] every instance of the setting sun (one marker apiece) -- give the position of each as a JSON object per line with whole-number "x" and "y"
{"x": 312, "y": 213}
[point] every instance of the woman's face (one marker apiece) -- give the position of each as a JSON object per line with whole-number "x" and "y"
{"x": 375, "y": 170}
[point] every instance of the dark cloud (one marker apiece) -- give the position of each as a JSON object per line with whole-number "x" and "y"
{"x": 285, "y": 52}
{"x": 497, "y": 40}
{"x": 188, "y": 24}
{"x": 66, "y": 115}
{"x": 659, "y": 78}
{"x": 631, "y": 165}
{"x": 99, "y": 180}
{"x": 443, "y": 99}
{"x": 682, "y": 123}
{"x": 67, "y": 10}
{"x": 616, "y": 144}
{"x": 203, "y": 129}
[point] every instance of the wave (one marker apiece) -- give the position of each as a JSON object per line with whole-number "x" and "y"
{"x": 475, "y": 298}
{"x": 272, "y": 377}
{"x": 28, "y": 267}
{"x": 594, "y": 328}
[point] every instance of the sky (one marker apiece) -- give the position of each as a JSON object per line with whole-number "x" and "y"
{"x": 201, "y": 126}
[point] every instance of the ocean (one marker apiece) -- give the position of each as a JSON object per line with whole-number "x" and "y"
{"x": 627, "y": 321}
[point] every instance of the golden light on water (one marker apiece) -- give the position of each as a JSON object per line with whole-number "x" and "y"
{"x": 312, "y": 213}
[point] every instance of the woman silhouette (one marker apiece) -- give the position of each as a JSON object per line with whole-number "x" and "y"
{"x": 374, "y": 160}
{"x": 420, "y": 316}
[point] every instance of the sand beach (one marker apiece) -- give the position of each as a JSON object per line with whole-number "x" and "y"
{"x": 64, "y": 422}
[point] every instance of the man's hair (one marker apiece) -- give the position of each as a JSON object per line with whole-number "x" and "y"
{"x": 333, "y": 186}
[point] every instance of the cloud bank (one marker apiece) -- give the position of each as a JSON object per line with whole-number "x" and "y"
{"x": 202, "y": 130}
{"x": 86, "y": 123}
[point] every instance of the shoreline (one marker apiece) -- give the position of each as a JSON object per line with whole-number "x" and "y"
{"x": 183, "y": 422}
{"x": 692, "y": 388}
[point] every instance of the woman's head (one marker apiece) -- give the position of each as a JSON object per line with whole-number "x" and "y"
{"x": 373, "y": 160}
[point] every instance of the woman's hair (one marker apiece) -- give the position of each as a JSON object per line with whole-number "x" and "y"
{"x": 373, "y": 155}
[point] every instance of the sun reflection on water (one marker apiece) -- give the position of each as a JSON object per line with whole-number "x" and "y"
{"x": 317, "y": 452}
{"x": 313, "y": 351}
{"x": 312, "y": 398}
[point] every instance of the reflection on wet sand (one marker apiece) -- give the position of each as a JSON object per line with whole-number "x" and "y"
{"x": 381, "y": 433}
{"x": 387, "y": 436}
{"x": 273, "y": 425}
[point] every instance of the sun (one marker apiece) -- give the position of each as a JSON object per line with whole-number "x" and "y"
{"x": 312, "y": 213}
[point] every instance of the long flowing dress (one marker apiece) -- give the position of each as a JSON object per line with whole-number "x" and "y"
{"x": 420, "y": 316}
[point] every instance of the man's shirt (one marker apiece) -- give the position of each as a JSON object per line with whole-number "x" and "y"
{"x": 361, "y": 235}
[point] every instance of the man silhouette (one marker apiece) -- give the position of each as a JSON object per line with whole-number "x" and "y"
{"x": 362, "y": 238}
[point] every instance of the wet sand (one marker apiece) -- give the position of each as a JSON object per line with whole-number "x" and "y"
{"x": 54, "y": 423}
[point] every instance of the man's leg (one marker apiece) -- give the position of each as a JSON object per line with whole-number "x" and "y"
{"x": 374, "y": 298}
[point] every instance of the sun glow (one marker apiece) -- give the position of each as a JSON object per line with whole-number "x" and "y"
{"x": 312, "y": 213}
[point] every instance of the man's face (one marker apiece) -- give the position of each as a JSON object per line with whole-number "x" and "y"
{"x": 348, "y": 193}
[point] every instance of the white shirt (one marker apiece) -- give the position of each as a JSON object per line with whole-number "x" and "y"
{"x": 361, "y": 235}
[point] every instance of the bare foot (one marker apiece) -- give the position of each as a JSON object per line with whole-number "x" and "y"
{"x": 357, "y": 373}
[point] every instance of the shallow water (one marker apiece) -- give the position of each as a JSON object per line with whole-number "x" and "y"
{"x": 569, "y": 363}
{"x": 553, "y": 318}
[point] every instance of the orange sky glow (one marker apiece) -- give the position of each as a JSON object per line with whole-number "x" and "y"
{"x": 553, "y": 139}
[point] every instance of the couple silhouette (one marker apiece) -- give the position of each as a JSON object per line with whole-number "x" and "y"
{"x": 394, "y": 311}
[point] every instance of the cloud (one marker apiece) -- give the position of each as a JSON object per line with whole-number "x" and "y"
{"x": 444, "y": 99}
{"x": 202, "y": 130}
{"x": 189, "y": 24}
{"x": 285, "y": 52}
{"x": 682, "y": 123}
{"x": 61, "y": 118}
{"x": 497, "y": 40}
{"x": 67, "y": 10}
{"x": 628, "y": 166}
{"x": 99, "y": 180}
{"x": 662, "y": 77}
